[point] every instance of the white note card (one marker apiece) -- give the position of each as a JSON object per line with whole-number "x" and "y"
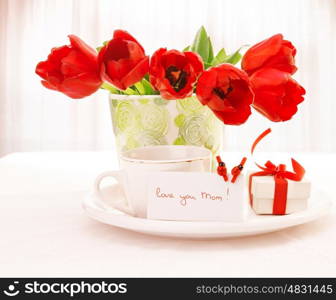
{"x": 192, "y": 196}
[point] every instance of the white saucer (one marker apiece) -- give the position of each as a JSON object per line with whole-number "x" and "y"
{"x": 319, "y": 205}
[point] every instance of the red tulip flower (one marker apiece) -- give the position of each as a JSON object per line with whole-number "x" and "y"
{"x": 226, "y": 90}
{"x": 277, "y": 94}
{"x": 174, "y": 73}
{"x": 123, "y": 61}
{"x": 72, "y": 70}
{"x": 274, "y": 52}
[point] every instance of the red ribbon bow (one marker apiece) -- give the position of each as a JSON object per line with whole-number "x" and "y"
{"x": 280, "y": 174}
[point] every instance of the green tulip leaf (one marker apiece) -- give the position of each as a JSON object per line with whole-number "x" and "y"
{"x": 99, "y": 48}
{"x": 211, "y": 54}
{"x": 143, "y": 87}
{"x": 140, "y": 88}
{"x": 148, "y": 87}
{"x": 221, "y": 54}
{"x": 131, "y": 91}
{"x": 110, "y": 88}
{"x": 220, "y": 57}
{"x": 207, "y": 65}
{"x": 234, "y": 58}
{"x": 186, "y": 49}
{"x": 201, "y": 44}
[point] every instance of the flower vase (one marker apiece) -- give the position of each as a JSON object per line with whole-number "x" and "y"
{"x": 140, "y": 121}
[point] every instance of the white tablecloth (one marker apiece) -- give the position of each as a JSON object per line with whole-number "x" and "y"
{"x": 44, "y": 231}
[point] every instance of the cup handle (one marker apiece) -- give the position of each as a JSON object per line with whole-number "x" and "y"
{"x": 120, "y": 177}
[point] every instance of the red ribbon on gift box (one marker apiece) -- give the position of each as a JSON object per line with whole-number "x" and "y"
{"x": 281, "y": 176}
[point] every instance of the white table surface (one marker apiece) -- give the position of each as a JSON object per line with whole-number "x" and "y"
{"x": 44, "y": 231}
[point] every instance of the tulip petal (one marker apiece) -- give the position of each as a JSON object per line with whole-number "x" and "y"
{"x": 196, "y": 62}
{"x": 156, "y": 70}
{"x": 81, "y": 86}
{"x": 74, "y": 63}
{"x": 174, "y": 58}
{"x": 122, "y": 61}
{"x": 268, "y": 77}
{"x": 42, "y": 69}
{"x": 206, "y": 83}
{"x": 53, "y": 63}
{"x": 256, "y": 56}
{"x": 274, "y": 52}
{"x": 124, "y": 35}
{"x": 115, "y": 50}
{"x": 48, "y": 85}
{"x": 226, "y": 90}
{"x": 234, "y": 118}
{"x": 284, "y": 59}
{"x": 168, "y": 93}
{"x": 84, "y": 48}
{"x": 223, "y": 105}
{"x": 181, "y": 70}
{"x": 72, "y": 70}
{"x": 137, "y": 73}
{"x": 276, "y": 94}
{"x": 112, "y": 74}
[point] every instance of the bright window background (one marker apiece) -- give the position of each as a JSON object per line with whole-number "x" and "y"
{"x": 35, "y": 119}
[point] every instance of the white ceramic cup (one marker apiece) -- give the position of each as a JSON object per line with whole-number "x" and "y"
{"x": 137, "y": 163}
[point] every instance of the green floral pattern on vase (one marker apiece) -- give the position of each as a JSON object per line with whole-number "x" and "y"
{"x": 145, "y": 121}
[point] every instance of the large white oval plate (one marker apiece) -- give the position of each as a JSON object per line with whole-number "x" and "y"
{"x": 319, "y": 205}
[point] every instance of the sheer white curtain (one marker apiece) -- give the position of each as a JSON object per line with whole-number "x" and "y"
{"x": 33, "y": 118}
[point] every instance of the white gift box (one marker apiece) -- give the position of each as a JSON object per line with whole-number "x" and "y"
{"x": 262, "y": 190}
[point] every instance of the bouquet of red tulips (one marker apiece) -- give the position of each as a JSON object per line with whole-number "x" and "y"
{"x": 122, "y": 67}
